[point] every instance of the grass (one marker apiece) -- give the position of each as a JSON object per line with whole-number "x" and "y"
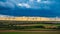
{"x": 39, "y": 29}
{"x": 48, "y": 24}
{"x": 57, "y": 32}
{"x": 36, "y": 25}
{"x": 41, "y": 24}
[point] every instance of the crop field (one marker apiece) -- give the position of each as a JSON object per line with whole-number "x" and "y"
{"x": 38, "y": 26}
{"x": 30, "y": 28}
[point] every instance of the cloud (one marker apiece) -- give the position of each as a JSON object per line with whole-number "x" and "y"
{"x": 7, "y": 4}
{"x": 24, "y": 5}
{"x": 35, "y": 4}
{"x": 38, "y": 1}
{"x": 3, "y": 0}
{"x": 31, "y": 0}
{"x": 45, "y": 5}
{"x": 5, "y": 16}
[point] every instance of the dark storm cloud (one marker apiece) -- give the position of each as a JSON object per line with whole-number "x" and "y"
{"x": 30, "y": 7}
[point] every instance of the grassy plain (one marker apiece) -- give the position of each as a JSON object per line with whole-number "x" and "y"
{"x": 41, "y": 32}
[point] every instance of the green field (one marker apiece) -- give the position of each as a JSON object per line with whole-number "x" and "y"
{"x": 57, "y": 32}
{"x": 31, "y": 27}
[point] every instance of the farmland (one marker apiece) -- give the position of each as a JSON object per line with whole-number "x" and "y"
{"x": 16, "y": 27}
{"x": 24, "y": 25}
{"x": 32, "y": 32}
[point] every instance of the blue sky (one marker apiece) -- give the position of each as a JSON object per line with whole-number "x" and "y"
{"x": 45, "y": 8}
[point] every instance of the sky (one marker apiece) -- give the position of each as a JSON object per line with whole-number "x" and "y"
{"x": 44, "y": 8}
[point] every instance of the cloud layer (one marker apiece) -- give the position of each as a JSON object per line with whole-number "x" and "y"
{"x": 27, "y": 3}
{"x": 51, "y": 7}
